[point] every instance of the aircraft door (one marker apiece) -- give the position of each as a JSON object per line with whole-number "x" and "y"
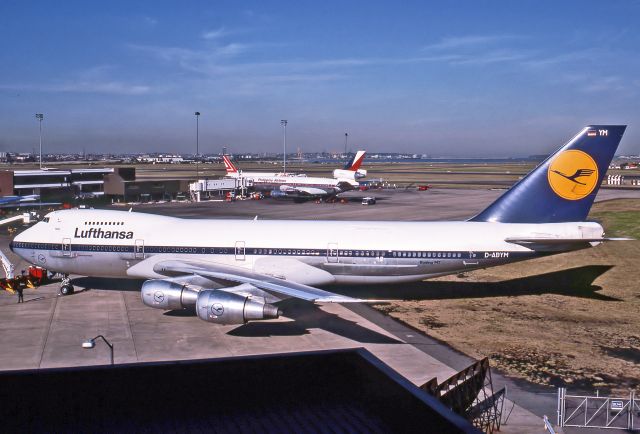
{"x": 138, "y": 249}
{"x": 66, "y": 247}
{"x": 240, "y": 251}
{"x": 332, "y": 252}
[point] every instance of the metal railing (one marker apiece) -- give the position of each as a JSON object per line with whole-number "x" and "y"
{"x": 598, "y": 411}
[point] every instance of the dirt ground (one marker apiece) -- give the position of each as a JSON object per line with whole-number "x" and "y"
{"x": 571, "y": 319}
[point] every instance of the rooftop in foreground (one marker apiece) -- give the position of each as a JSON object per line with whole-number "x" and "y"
{"x": 337, "y": 391}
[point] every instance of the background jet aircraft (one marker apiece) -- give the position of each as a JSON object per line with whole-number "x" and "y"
{"x": 300, "y": 186}
{"x": 351, "y": 169}
{"x": 234, "y": 271}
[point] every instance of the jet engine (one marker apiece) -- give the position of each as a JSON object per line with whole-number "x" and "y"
{"x": 223, "y": 307}
{"x": 163, "y": 294}
{"x": 277, "y": 194}
{"x": 211, "y": 305}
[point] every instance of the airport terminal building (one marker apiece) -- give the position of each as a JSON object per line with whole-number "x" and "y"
{"x": 117, "y": 184}
{"x": 53, "y": 184}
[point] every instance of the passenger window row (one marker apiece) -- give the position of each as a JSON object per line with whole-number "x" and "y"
{"x": 298, "y": 252}
{"x": 427, "y": 255}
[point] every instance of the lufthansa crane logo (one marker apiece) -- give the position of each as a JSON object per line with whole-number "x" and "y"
{"x": 573, "y": 174}
{"x": 217, "y": 309}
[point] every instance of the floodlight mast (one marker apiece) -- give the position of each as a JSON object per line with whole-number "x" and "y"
{"x": 197, "y": 114}
{"x": 40, "y": 117}
{"x": 346, "y": 137}
{"x": 283, "y": 122}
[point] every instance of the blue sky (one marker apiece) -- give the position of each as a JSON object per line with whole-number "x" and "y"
{"x": 451, "y": 78}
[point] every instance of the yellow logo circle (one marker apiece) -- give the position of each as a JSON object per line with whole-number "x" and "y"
{"x": 573, "y": 174}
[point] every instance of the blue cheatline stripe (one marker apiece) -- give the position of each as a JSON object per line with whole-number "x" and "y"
{"x": 264, "y": 251}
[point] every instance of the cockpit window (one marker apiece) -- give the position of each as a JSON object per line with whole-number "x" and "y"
{"x": 46, "y": 219}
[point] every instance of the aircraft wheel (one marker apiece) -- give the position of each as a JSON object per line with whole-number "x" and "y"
{"x": 66, "y": 289}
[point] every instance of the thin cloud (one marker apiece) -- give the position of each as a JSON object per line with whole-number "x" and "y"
{"x": 113, "y": 88}
{"x": 215, "y": 34}
{"x": 596, "y": 83}
{"x": 97, "y": 79}
{"x": 476, "y": 50}
{"x": 604, "y": 84}
{"x": 553, "y": 60}
{"x": 222, "y": 60}
{"x": 456, "y": 42}
{"x": 497, "y": 56}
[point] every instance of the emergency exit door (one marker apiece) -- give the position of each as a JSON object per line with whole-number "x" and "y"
{"x": 332, "y": 252}
{"x": 240, "y": 251}
{"x": 66, "y": 247}
{"x": 138, "y": 250}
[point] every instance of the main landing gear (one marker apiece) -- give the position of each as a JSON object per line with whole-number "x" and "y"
{"x": 66, "y": 288}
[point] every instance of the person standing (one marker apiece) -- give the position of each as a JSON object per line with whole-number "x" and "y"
{"x": 20, "y": 291}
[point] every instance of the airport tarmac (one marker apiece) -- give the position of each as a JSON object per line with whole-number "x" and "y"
{"x": 48, "y": 330}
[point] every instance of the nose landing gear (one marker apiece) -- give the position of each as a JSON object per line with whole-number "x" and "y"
{"x": 66, "y": 288}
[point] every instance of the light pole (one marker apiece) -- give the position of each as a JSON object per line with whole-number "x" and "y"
{"x": 40, "y": 117}
{"x": 283, "y": 122}
{"x": 91, "y": 343}
{"x": 346, "y": 137}
{"x": 197, "y": 145}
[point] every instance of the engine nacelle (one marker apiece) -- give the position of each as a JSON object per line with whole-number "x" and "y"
{"x": 223, "y": 307}
{"x": 163, "y": 294}
{"x": 277, "y": 194}
{"x": 349, "y": 174}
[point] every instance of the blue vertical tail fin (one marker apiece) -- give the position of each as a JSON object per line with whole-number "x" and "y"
{"x": 562, "y": 188}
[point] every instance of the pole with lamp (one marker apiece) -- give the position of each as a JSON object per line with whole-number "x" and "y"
{"x": 197, "y": 145}
{"x": 283, "y": 122}
{"x": 40, "y": 117}
{"x": 346, "y": 137}
{"x": 91, "y": 343}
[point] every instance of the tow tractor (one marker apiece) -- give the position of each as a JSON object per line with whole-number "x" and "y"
{"x": 34, "y": 277}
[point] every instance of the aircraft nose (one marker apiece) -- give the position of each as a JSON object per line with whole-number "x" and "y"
{"x": 18, "y": 238}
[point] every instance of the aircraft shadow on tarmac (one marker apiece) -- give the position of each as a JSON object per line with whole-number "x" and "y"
{"x": 573, "y": 282}
{"x": 305, "y": 316}
{"x": 108, "y": 283}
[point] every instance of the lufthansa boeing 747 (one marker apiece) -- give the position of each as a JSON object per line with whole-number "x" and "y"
{"x": 234, "y": 271}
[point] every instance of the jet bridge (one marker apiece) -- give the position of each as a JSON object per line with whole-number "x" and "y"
{"x": 210, "y": 188}
{"x": 25, "y": 217}
{"x": 7, "y": 266}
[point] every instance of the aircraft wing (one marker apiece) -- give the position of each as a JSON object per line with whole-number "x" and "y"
{"x": 281, "y": 287}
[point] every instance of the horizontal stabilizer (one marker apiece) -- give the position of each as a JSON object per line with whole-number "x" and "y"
{"x": 563, "y": 240}
{"x": 557, "y": 244}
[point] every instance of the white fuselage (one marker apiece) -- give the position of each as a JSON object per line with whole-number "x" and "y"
{"x": 105, "y": 243}
{"x": 268, "y": 182}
